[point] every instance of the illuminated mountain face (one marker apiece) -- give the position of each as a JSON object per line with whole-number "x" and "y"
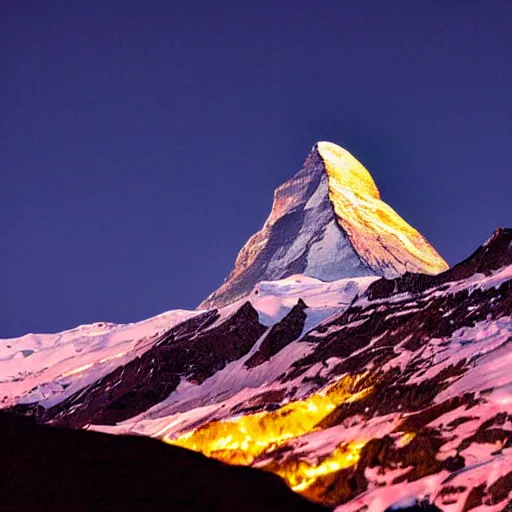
{"x": 385, "y": 242}
{"x": 328, "y": 222}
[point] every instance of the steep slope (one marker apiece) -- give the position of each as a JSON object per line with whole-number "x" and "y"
{"x": 49, "y": 365}
{"x": 328, "y": 222}
{"x": 385, "y": 242}
{"x": 217, "y": 347}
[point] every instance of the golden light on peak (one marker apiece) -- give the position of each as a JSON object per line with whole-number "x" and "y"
{"x": 352, "y": 172}
{"x": 382, "y": 238}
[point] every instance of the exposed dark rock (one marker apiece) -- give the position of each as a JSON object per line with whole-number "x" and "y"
{"x": 415, "y": 422}
{"x": 400, "y": 352}
{"x": 500, "y": 490}
{"x": 475, "y": 498}
{"x": 263, "y": 401}
{"x": 496, "y": 493}
{"x": 486, "y": 434}
{"x": 280, "y": 335}
{"x": 508, "y": 507}
{"x": 338, "y": 487}
{"x": 252, "y": 261}
{"x": 420, "y": 454}
{"x": 190, "y": 327}
{"x": 459, "y": 421}
{"x": 494, "y": 254}
{"x": 356, "y": 335}
{"x": 387, "y": 398}
{"x": 308, "y": 208}
{"x": 450, "y": 493}
{"x": 194, "y": 350}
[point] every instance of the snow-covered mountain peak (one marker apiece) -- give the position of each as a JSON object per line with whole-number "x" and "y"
{"x": 344, "y": 168}
{"x": 384, "y": 241}
{"x": 328, "y": 222}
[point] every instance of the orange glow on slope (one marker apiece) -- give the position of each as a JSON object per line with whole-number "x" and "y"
{"x": 384, "y": 239}
{"x": 300, "y": 475}
{"x": 405, "y": 439}
{"x": 352, "y": 174}
{"x": 244, "y": 439}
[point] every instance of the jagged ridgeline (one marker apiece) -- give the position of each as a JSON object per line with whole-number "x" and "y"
{"x": 328, "y": 222}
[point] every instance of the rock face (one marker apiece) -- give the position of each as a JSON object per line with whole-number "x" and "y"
{"x": 194, "y": 350}
{"x": 328, "y": 222}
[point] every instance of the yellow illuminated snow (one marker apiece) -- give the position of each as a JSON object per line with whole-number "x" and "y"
{"x": 376, "y": 231}
{"x": 243, "y": 439}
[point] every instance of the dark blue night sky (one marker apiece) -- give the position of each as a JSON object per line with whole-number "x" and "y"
{"x": 141, "y": 140}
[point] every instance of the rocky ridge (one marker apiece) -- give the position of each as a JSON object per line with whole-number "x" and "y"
{"x": 328, "y": 222}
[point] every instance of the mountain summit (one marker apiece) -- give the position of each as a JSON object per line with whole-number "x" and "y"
{"x": 328, "y": 222}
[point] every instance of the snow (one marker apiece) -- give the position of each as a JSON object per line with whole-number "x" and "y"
{"x": 380, "y": 498}
{"x": 325, "y": 255}
{"x": 489, "y": 340}
{"x": 62, "y": 363}
{"x": 274, "y": 299}
{"x": 228, "y": 388}
{"x": 235, "y": 384}
{"x": 317, "y": 199}
{"x": 48, "y": 368}
{"x": 405, "y": 502}
{"x": 327, "y": 249}
{"x": 381, "y": 238}
{"x": 328, "y": 222}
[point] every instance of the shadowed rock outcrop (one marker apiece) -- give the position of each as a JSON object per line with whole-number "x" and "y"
{"x": 494, "y": 254}
{"x": 280, "y": 335}
{"x": 193, "y": 350}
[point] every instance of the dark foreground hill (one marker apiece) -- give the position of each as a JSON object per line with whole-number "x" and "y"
{"x": 51, "y": 469}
